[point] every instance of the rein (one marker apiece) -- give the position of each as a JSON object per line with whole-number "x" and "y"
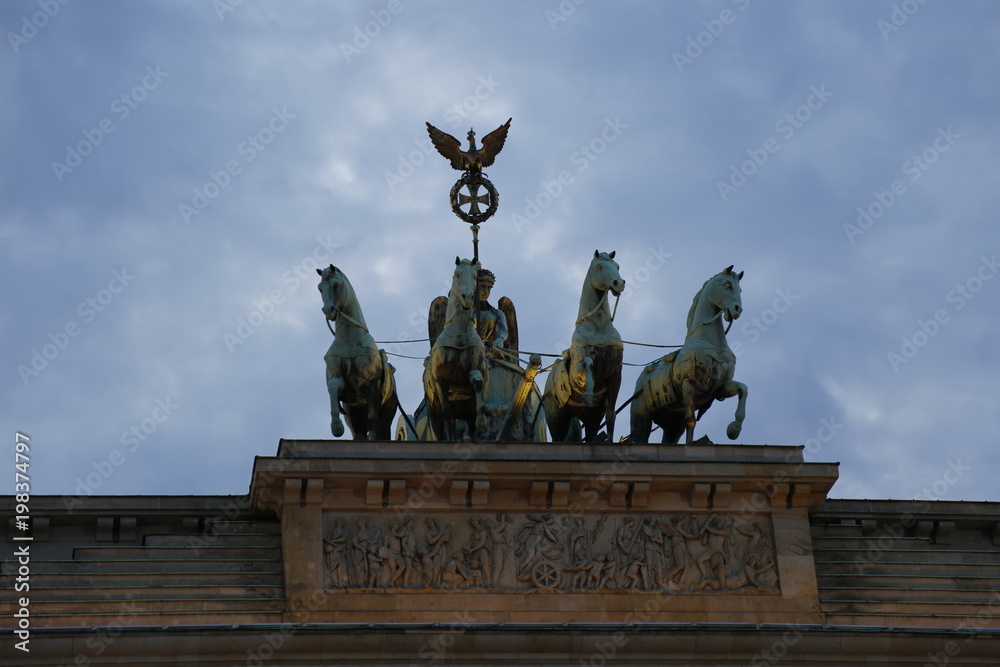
{"x": 604, "y": 299}
{"x": 339, "y": 313}
{"x": 712, "y": 319}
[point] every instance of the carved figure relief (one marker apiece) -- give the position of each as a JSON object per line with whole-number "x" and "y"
{"x": 689, "y": 553}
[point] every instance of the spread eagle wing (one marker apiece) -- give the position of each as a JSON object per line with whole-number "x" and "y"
{"x": 492, "y": 144}
{"x": 436, "y": 318}
{"x": 449, "y": 147}
{"x": 506, "y": 306}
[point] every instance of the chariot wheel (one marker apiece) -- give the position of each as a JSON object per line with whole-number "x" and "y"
{"x": 546, "y": 575}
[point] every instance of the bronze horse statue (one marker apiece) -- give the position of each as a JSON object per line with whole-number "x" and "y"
{"x": 584, "y": 386}
{"x": 358, "y": 376}
{"x": 456, "y": 374}
{"x": 671, "y": 389}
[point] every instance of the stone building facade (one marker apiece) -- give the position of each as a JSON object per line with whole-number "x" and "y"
{"x": 375, "y": 553}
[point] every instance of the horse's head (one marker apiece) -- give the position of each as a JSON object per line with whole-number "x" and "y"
{"x": 464, "y": 284}
{"x": 725, "y": 293}
{"x": 603, "y": 274}
{"x": 331, "y": 282}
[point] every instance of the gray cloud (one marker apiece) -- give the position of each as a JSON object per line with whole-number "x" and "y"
{"x": 359, "y": 116}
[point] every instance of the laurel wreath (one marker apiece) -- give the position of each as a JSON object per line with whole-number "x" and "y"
{"x": 474, "y": 179}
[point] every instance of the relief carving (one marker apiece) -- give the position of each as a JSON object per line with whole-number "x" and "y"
{"x": 643, "y": 553}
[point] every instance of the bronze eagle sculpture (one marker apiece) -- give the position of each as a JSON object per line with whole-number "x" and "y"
{"x": 475, "y": 159}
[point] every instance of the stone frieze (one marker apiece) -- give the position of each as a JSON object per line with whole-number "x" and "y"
{"x": 679, "y": 552}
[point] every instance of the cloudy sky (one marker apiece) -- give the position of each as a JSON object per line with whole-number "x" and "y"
{"x": 175, "y": 171}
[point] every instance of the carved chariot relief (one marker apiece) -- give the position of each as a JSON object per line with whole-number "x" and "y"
{"x": 678, "y": 553}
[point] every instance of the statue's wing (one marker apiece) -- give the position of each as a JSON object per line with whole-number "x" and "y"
{"x": 493, "y": 144}
{"x": 506, "y": 306}
{"x": 448, "y": 146}
{"x": 436, "y": 318}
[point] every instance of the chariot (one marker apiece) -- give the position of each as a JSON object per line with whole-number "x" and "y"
{"x": 508, "y": 405}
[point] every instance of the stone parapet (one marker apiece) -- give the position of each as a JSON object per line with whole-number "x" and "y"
{"x": 396, "y": 532}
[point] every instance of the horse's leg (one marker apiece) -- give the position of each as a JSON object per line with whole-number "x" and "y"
{"x": 558, "y": 426}
{"x": 611, "y": 397}
{"x": 673, "y": 427}
{"x": 387, "y": 410}
{"x": 354, "y": 415}
{"x": 591, "y": 425}
{"x": 640, "y": 422}
{"x": 374, "y": 398}
{"x": 688, "y": 393}
{"x": 552, "y": 403}
{"x": 734, "y": 388}
{"x": 587, "y": 366}
{"x": 446, "y": 416}
{"x": 555, "y": 417}
{"x": 334, "y": 385}
{"x": 478, "y": 383}
{"x": 557, "y": 420}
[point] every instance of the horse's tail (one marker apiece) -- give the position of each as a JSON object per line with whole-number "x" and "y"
{"x": 388, "y": 379}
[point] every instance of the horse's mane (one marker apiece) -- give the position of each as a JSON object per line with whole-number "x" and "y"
{"x": 694, "y": 301}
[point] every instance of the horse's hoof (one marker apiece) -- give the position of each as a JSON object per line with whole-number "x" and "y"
{"x": 733, "y": 430}
{"x": 337, "y": 428}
